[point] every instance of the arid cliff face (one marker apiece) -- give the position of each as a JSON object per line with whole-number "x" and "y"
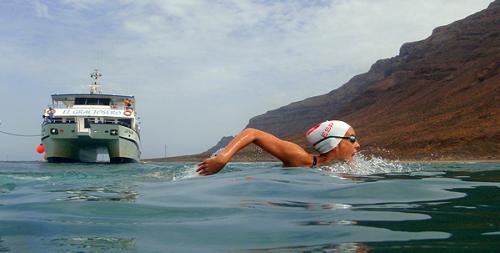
{"x": 438, "y": 99}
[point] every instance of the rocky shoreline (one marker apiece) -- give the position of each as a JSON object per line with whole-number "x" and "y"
{"x": 438, "y": 100}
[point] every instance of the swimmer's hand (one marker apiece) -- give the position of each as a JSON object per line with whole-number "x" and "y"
{"x": 211, "y": 165}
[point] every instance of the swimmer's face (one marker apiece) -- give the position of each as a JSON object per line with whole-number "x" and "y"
{"x": 346, "y": 150}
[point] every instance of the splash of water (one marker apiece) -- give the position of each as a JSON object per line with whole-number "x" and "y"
{"x": 188, "y": 171}
{"x": 362, "y": 165}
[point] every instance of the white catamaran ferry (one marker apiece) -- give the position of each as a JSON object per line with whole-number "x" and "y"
{"x": 78, "y": 127}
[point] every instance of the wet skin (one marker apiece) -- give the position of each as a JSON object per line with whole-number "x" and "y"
{"x": 291, "y": 154}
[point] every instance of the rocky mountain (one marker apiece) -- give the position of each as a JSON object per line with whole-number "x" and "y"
{"x": 438, "y": 99}
{"x": 221, "y": 144}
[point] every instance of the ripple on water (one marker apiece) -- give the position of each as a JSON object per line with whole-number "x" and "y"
{"x": 294, "y": 204}
{"x": 100, "y": 193}
{"x": 94, "y": 243}
{"x": 7, "y": 187}
{"x": 143, "y": 207}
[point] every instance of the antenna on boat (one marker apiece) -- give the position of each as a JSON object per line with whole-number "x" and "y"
{"x": 95, "y": 86}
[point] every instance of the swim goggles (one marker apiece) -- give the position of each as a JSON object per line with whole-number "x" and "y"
{"x": 351, "y": 138}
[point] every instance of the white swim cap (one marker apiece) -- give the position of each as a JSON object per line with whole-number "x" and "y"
{"x": 318, "y": 135}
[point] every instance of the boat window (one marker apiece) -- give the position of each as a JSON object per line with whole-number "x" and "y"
{"x": 92, "y": 101}
{"x": 69, "y": 120}
{"x": 125, "y": 122}
{"x": 86, "y": 123}
{"x": 109, "y": 121}
{"x": 80, "y": 101}
{"x": 56, "y": 120}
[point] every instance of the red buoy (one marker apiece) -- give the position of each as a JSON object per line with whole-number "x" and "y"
{"x": 40, "y": 149}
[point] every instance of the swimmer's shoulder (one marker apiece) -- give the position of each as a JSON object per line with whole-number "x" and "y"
{"x": 299, "y": 159}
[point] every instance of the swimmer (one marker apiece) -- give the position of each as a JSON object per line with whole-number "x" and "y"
{"x": 334, "y": 140}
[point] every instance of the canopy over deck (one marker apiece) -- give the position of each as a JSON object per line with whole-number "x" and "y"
{"x": 77, "y": 98}
{"x": 94, "y": 98}
{"x": 72, "y": 96}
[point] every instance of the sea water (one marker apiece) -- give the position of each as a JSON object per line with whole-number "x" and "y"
{"x": 372, "y": 205}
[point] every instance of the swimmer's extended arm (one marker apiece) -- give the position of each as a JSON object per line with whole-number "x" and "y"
{"x": 289, "y": 153}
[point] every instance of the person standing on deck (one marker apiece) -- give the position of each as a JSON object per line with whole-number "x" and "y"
{"x": 51, "y": 112}
{"x": 127, "y": 104}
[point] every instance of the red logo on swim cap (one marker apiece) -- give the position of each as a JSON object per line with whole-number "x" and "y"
{"x": 312, "y": 129}
{"x": 327, "y": 130}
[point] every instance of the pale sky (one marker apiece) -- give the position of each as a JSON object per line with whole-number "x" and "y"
{"x": 199, "y": 69}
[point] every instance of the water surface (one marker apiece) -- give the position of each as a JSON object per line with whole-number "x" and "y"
{"x": 375, "y": 206}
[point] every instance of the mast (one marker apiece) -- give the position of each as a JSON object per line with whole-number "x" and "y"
{"x": 95, "y": 87}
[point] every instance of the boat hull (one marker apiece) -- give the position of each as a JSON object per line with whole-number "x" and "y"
{"x": 64, "y": 143}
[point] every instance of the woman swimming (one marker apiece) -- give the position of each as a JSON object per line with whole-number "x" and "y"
{"x": 334, "y": 140}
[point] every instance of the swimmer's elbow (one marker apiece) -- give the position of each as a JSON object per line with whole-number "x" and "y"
{"x": 250, "y": 132}
{"x": 251, "y": 135}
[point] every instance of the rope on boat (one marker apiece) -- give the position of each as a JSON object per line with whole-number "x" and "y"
{"x": 21, "y": 135}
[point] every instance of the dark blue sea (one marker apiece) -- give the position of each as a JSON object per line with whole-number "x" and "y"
{"x": 373, "y": 205}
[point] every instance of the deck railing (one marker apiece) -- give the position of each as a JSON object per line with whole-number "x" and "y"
{"x": 60, "y": 121}
{"x": 117, "y": 107}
